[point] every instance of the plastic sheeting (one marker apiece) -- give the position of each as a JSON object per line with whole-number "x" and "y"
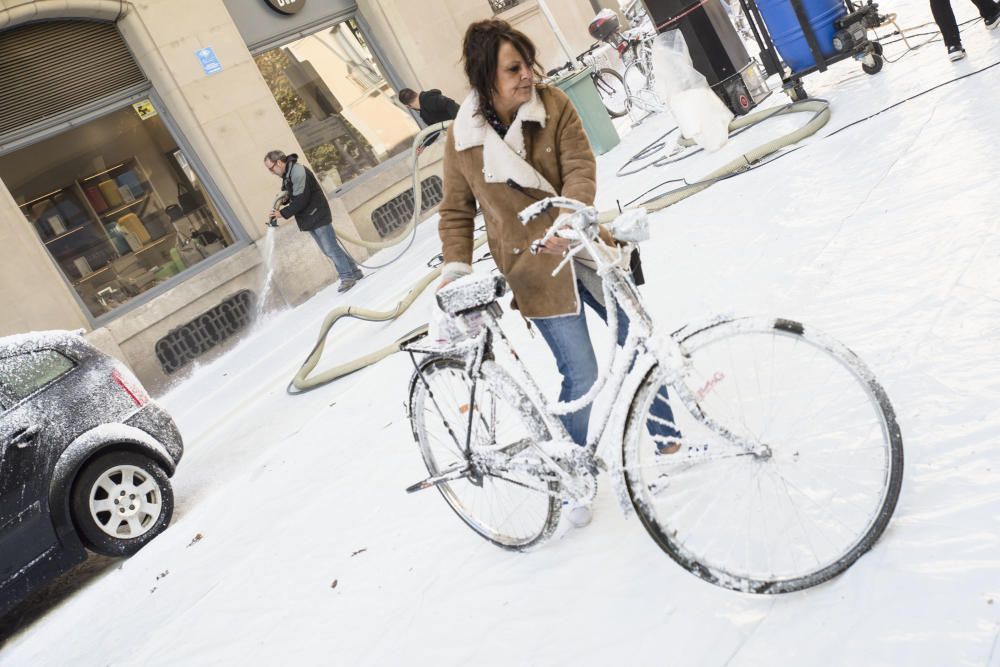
{"x": 884, "y": 235}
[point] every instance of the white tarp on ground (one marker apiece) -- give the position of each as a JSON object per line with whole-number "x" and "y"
{"x": 886, "y": 236}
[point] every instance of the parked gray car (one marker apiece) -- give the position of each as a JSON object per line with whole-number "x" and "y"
{"x": 85, "y": 459}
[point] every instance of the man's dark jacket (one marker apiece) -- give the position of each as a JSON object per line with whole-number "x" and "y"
{"x": 307, "y": 202}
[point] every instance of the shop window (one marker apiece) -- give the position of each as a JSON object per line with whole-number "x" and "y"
{"x": 337, "y": 103}
{"x": 116, "y": 204}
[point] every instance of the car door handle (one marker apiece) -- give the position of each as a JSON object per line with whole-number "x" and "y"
{"x": 25, "y": 436}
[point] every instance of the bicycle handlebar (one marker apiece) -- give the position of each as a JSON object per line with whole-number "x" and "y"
{"x": 593, "y": 47}
{"x": 553, "y": 72}
{"x": 582, "y": 221}
{"x": 580, "y": 58}
{"x": 542, "y": 205}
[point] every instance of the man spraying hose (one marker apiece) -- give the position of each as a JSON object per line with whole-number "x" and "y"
{"x": 308, "y": 205}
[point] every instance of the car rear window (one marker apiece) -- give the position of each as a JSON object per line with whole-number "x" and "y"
{"x": 24, "y": 374}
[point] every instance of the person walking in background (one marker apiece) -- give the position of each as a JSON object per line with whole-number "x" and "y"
{"x": 945, "y": 19}
{"x": 306, "y": 202}
{"x": 432, "y": 106}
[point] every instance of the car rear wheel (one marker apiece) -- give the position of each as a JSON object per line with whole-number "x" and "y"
{"x": 121, "y": 500}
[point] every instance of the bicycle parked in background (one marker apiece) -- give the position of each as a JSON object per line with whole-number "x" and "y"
{"x": 609, "y": 84}
{"x": 635, "y": 48}
{"x": 777, "y": 465}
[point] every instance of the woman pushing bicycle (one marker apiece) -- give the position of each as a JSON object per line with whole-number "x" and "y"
{"x": 512, "y": 143}
{"x": 792, "y": 459}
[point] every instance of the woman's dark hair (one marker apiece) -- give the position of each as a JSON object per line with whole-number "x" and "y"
{"x": 479, "y": 52}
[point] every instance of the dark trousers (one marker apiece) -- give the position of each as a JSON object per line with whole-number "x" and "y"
{"x": 945, "y": 18}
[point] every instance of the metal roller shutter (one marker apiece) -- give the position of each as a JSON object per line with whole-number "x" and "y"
{"x": 47, "y": 69}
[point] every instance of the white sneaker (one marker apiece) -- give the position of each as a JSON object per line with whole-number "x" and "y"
{"x": 579, "y": 515}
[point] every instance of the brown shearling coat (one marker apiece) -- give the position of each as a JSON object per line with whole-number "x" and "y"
{"x": 559, "y": 152}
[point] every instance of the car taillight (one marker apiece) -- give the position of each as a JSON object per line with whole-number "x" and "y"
{"x": 131, "y": 387}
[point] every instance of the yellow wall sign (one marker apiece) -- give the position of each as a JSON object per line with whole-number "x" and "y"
{"x": 145, "y": 109}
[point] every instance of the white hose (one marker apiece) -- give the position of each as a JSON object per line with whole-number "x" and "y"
{"x": 417, "y": 195}
{"x": 821, "y": 115}
{"x": 302, "y": 381}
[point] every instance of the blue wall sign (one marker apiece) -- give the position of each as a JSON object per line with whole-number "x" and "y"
{"x": 209, "y": 62}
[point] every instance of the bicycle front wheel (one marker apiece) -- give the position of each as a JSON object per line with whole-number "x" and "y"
{"x": 636, "y": 78}
{"x": 790, "y": 460}
{"x": 611, "y": 87}
{"x": 513, "y": 509}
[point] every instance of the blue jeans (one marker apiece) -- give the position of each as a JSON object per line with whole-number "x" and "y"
{"x": 569, "y": 340}
{"x": 326, "y": 239}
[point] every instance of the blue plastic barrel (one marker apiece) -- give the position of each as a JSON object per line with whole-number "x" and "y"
{"x": 786, "y": 33}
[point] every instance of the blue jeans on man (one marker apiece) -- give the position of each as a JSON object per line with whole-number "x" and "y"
{"x": 568, "y": 338}
{"x": 326, "y": 238}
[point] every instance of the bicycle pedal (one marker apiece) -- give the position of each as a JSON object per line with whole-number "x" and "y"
{"x": 569, "y": 453}
{"x": 697, "y": 451}
{"x": 516, "y": 448}
{"x": 457, "y": 472}
{"x": 659, "y": 484}
{"x": 420, "y": 486}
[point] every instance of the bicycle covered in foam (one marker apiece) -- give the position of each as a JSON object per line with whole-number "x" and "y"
{"x": 787, "y": 459}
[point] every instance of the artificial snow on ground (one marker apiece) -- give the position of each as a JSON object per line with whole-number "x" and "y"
{"x": 293, "y": 540}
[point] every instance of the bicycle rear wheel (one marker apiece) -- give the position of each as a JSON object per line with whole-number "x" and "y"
{"x": 790, "y": 464}
{"x": 611, "y": 87}
{"x": 513, "y": 509}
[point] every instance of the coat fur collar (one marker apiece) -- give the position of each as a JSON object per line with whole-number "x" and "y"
{"x": 503, "y": 158}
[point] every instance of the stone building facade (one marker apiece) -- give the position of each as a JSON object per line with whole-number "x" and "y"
{"x": 133, "y": 199}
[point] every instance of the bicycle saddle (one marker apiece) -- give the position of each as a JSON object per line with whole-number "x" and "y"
{"x": 471, "y": 292}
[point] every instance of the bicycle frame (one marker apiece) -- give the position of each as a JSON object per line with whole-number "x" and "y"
{"x": 663, "y": 355}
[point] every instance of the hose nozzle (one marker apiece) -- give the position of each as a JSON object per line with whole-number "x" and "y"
{"x": 282, "y": 198}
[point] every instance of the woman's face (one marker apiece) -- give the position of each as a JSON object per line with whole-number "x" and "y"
{"x": 514, "y": 79}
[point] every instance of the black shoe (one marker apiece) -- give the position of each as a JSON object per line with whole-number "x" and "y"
{"x": 955, "y": 53}
{"x": 993, "y": 23}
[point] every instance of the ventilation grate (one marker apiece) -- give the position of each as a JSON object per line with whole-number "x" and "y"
{"x": 396, "y": 212}
{"x": 189, "y": 341}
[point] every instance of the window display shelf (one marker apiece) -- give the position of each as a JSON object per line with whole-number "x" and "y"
{"x": 65, "y": 234}
{"x": 126, "y": 163}
{"x": 152, "y": 244}
{"x": 126, "y": 206}
{"x": 90, "y": 276}
{"x": 39, "y": 198}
